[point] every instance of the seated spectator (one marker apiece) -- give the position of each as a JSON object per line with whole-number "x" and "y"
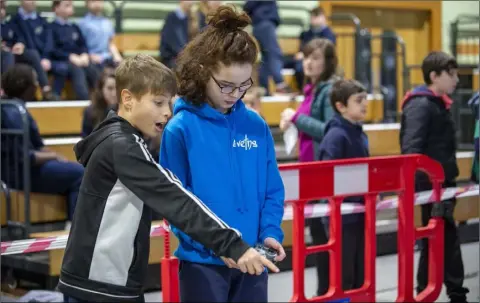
{"x": 318, "y": 29}
{"x": 103, "y": 100}
{"x": 253, "y": 99}
{"x": 474, "y": 104}
{"x": 49, "y": 172}
{"x": 98, "y": 32}
{"x": 69, "y": 53}
{"x": 265, "y": 20}
{"x": 206, "y": 8}
{"x": 175, "y": 33}
{"x": 33, "y": 31}
{"x": 11, "y": 45}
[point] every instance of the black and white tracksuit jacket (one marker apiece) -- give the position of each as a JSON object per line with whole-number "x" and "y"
{"x": 106, "y": 257}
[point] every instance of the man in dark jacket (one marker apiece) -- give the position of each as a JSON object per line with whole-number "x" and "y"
{"x": 427, "y": 128}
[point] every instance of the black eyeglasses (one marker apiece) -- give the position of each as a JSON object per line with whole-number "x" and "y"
{"x": 228, "y": 89}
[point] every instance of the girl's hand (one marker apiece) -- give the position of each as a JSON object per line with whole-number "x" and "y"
{"x": 284, "y": 124}
{"x": 288, "y": 114}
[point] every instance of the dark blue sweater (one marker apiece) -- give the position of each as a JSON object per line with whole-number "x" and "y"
{"x": 311, "y": 34}
{"x": 10, "y": 33}
{"x": 173, "y": 37}
{"x": 262, "y": 11}
{"x": 66, "y": 39}
{"x": 12, "y": 149}
{"x": 34, "y": 33}
{"x": 344, "y": 140}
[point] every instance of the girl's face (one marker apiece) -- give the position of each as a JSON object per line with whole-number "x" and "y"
{"x": 227, "y": 84}
{"x": 31, "y": 91}
{"x": 109, "y": 91}
{"x": 314, "y": 64}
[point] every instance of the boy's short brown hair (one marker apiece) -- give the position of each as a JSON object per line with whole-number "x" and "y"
{"x": 342, "y": 90}
{"x": 317, "y": 11}
{"x": 437, "y": 62}
{"x": 55, "y": 4}
{"x": 142, "y": 74}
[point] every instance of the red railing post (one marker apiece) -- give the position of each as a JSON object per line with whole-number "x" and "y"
{"x": 169, "y": 274}
{"x": 405, "y": 234}
{"x": 335, "y": 252}
{"x": 408, "y": 233}
{"x": 370, "y": 247}
{"x": 298, "y": 252}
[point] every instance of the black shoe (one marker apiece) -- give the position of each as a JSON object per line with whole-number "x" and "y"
{"x": 49, "y": 96}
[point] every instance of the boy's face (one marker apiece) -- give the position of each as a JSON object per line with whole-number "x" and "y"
{"x": 64, "y": 9}
{"x": 3, "y": 8}
{"x": 318, "y": 21}
{"x": 227, "y": 84}
{"x": 186, "y": 5}
{"x": 213, "y": 5}
{"x": 149, "y": 113}
{"x": 95, "y": 6}
{"x": 446, "y": 82}
{"x": 29, "y": 5}
{"x": 356, "y": 108}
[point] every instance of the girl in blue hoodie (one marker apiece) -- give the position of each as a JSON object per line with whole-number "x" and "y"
{"x": 224, "y": 154}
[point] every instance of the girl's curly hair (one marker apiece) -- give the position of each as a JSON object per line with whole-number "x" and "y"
{"x": 223, "y": 40}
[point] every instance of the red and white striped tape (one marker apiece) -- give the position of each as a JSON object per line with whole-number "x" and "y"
{"x": 311, "y": 211}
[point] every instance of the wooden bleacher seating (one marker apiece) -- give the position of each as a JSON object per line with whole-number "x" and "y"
{"x": 43, "y": 207}
{"x": 64, "y": 118}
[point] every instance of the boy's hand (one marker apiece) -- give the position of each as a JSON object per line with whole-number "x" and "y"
{"x": 288, "y": 114}
{"x": 254, "y": 263}
{"x": 117, "y": 58}
{"x": 299, "y": 56}
{"x": 274, "y": 244}
{"x": 84, "y": 59}
{"x": 75, "y": 59}
{"x": 18, "y": 48}
{"x": 96, "y": 59}
{"x": 61, "y": 158}
{"x": 46, "y": 64}
{"x": 229, "y": 262}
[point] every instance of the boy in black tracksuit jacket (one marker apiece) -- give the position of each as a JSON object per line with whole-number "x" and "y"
{"x": 345, "y": 139}
{"x": 427, "y": 128}
{"x": 106, "y": 257}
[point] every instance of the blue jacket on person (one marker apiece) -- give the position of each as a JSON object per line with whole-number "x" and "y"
{"x": 67, "y": 38}
{"x": 312, "y": 33}
{"x": 12, "y": 145}
{"x": 344, "y": 140}
{"x": 9, "y": 32}
{"x": 262, "y": 11}
{"x": 33, "y": 31}
{"x": 229, "y": 162}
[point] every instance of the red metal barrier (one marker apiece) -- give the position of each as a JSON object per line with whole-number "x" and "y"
{"x": 169, "y": 275}
{"x": 336, "y": 180}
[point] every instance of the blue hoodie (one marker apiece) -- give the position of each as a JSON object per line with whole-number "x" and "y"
{"x": 344, "y": 140}
{"x": 229, "y": 162}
